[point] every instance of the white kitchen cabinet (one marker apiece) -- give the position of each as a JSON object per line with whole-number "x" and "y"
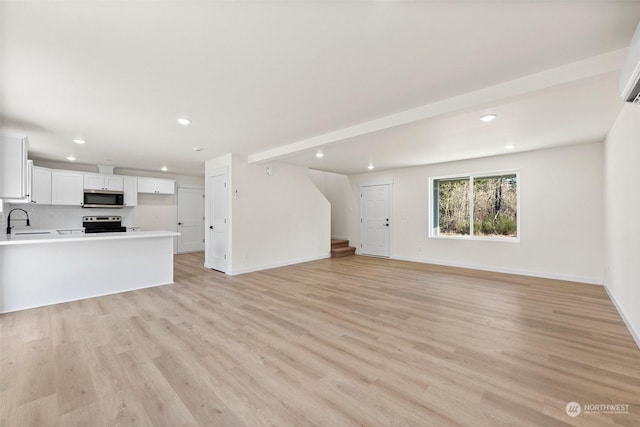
{"x": 146, "y": 185}
{"x": 27, "y": 198}
{"x": 113, "y": 183}
{"x": 96, "y": 181}
{"x": 156, "y": 186}
{"x": 41, "y": 185}
{"x": 166, "y": 186}
{"x": 93, "y": 181}
{"x": 67, "y": 188}
{"x": 14, "y": 174}
{"x": 130, "y": 191}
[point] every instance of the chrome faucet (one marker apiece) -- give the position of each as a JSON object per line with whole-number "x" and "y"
{"x": 9, "y": 218}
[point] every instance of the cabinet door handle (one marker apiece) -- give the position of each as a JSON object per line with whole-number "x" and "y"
{"x": 211, "y": 227}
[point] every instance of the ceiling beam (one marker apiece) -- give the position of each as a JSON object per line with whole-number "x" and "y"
{"x": 591, "y": 67}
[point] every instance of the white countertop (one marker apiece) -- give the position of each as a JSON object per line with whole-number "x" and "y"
{"x": 55, "y": 237}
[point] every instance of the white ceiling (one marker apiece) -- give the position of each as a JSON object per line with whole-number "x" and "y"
{"x": 278, "y": 80}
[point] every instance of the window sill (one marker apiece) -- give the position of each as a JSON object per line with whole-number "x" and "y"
{"x": 479, "y": 239}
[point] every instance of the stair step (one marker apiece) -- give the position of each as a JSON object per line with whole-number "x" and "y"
{"x": 342, "y": 251}
{"x": 337, "y": 243}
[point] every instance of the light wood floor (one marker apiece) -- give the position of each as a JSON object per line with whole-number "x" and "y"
{"x": 336, "y": 342}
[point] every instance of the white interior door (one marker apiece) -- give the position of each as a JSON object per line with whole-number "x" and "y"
{"x": 190, "y": 219}
{"x": 217, "y": 242}
{"x": 375, "y": 219}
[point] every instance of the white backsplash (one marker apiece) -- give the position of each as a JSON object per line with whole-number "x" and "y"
{"x": 3, "y": 211}
{"x": 48, "y": 217}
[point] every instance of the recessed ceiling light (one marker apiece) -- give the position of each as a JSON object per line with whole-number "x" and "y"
{"x": 319, "y": 154}
{"x": 488, "y": 117}
{"x": 510, "y": 146}
{"x": 164, "y": 169}
{"x": 183, "y": 121}
{"x": 71, "y": 157}
{"x": 79, "y": 141}
{"x": 198, "y": 148}
{"x": 370, "y": 167}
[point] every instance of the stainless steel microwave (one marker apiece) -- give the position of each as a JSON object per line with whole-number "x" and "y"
{"x": 103, "y": 199}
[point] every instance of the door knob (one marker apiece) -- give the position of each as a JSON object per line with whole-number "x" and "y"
{"x": 211, "y": 227}
{"x": 179, "y": 223}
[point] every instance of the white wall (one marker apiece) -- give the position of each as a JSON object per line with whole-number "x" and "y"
{"x": 622, "y": 205}
{"x": 4, "y": 210}
{"x": 276, "y": 220}
{"x": 561, "y": 215}
{"x": 336, "y": 188}
{"x": 156, "y": 212}
{"x": 180, "y": 179}
{"x": 45, "y": 216}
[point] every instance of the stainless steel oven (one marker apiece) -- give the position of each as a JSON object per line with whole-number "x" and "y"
{"x": 103, "y": 224}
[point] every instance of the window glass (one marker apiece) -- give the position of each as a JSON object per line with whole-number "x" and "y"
{"x": 478, "y": 205}
{"x": 453, "y": 207}
{"x": 495, "y": 210}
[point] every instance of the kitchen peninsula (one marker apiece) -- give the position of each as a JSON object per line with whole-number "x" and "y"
{"x": 50, "y": 267}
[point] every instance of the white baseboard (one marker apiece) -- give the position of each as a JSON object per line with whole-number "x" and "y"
{"x": 634, "y": 334}
{"x": 276, "y": 265}
{"x": 339, "y": 238}
{"x": 566, "y": 277}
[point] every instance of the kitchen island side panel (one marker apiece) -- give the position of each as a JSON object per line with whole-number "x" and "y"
{"x": 34, "y": 275}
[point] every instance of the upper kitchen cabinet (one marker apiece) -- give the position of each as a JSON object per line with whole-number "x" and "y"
{"x": 156, "y": 186}
{"x": 14, "y": 171}
{"x": 130, "y": 191}
{"x": 67, "y": 188}
{"x": 41, "y": 185}
{"x": 29, "y": 191}
{"x": 96, "y": 181}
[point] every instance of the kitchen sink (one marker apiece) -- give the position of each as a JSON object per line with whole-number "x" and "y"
{"x": 32, "y": 233}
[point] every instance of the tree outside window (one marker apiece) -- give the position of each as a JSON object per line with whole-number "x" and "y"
{"x": 484, "y": 206}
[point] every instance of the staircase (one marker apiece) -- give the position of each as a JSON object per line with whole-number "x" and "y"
{"x": 340, "y": 248}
